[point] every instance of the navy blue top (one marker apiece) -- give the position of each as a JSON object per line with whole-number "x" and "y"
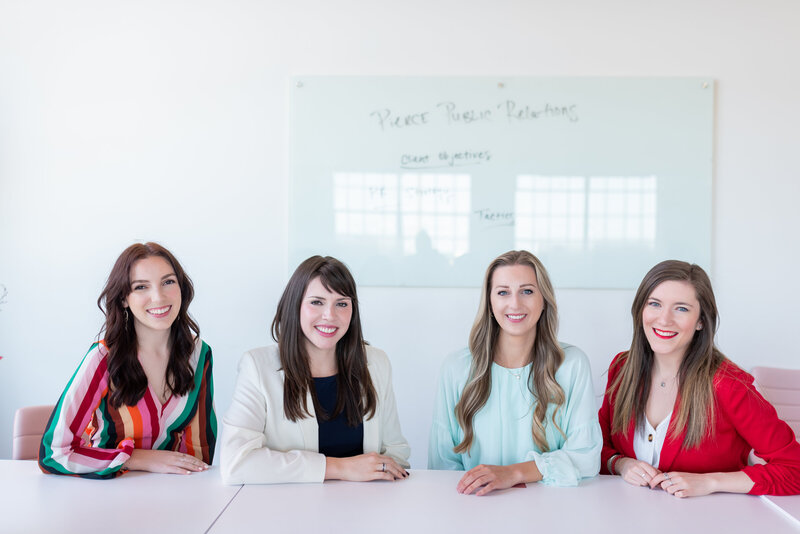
{"x": 336, "y": 439}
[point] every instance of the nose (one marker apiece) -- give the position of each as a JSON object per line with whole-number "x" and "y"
{"x": 327, "y": 311}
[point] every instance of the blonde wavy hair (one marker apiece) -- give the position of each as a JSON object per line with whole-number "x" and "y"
{"x": 546, "y": 355}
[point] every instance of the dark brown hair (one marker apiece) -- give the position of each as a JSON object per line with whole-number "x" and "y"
{"x": 356, "y": 394}
{"x": 127, "y": 380}
{"x": 546, "y": 355}
{"x": 631, "y": 386}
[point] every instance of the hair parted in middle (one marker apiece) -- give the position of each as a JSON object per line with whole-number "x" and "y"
{"x": 631, "y": 388}
{"x": 356, "y": 394}
{"x": 546, "y": 354}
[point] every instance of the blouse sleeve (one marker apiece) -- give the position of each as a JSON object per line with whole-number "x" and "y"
{"x": 200, "y": 436}
{"x": 246, "y": 459}
{"x": 62, "y": 451}
{"x": 772, "y": 439}
{"x": 579, "y": 457}
{"x": 445, "y": 428}
{"x": 393, "y": 443}
{"x": 604, "y": 415}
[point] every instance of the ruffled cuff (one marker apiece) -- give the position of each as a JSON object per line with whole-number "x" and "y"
{"x": 555, "y": 469}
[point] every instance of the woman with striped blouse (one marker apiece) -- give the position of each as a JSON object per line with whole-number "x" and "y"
{"x": 142, "y": 398}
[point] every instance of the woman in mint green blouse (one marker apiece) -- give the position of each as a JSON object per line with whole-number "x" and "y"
{"x": 487, "y": 419}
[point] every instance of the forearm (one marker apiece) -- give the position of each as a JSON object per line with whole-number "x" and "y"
{"x": 735, "y": 482}
{"x": 525, "y": 472}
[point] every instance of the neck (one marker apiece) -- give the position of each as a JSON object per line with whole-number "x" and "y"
{"x": 666, "y": 366}
{"x": 514, "y": 351}
{"x": 321, "y": 363}
{"x": 153, "y": 342}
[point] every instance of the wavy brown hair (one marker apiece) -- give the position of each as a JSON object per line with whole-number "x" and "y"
{"x": 546, "y": 355}
{"x": 356, "y": 393}
{"x": 127, "y": 381}
{"x": 631, "y": 387}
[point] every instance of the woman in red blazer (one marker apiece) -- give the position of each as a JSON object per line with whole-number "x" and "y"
{"x": 677, "y": 413}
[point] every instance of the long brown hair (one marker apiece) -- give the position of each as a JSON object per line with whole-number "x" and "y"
{"x": 631, "y": 387}
{"x": 546, "y": 354}
{"x": 356, "y": 394}
{"x": 127, "y": 379}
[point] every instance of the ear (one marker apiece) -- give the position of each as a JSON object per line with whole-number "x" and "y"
{"x": 699, "y": 325}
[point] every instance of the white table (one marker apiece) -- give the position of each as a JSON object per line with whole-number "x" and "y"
{"x": 788, "y": 505}
{"x": 32, "y": 502}
{"x": 427, "y": 502}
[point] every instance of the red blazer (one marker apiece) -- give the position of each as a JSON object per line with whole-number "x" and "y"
{"x": 744, "y": 420}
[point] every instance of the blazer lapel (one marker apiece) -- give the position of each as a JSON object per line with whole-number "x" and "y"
{"x": 372, "y": 438}
{"x": 309, "y": 427}
{"x": 672, "y": 444}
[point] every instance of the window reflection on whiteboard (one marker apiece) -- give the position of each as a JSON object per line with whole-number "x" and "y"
{"x": 579, "y": 213}
{"x": 422, "y": 212}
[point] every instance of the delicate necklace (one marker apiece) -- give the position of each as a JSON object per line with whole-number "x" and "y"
{"x": 516, "y": 375}
{"x": 663, "y": 382}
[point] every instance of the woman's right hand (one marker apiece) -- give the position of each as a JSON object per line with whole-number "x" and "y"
{"x": 164, "y": 462}
{"x": 364, "y": 467}
{"x": 635, "y": 471}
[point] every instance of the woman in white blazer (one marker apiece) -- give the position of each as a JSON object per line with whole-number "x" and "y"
{"x": 319, "y": 405}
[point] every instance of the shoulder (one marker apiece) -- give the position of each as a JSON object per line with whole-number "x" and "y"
{"x": 96, "y": 356}
{"x": 264, "y": 360}
{"x": 200, "y": 354}
{"x": 731, "y": 379}
{"x": 376, "y": 357}
{"x": 575, "y": 364}
{"x": 456, "y": 366}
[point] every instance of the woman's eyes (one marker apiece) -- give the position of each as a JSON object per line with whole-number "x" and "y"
{"x": 343, "y": 304}
{"x": 654, "y": 304}
{"x": 504, "y": 292}
{"x": 170, "y": 281}
{"x": 138, "y": 287}
{"x": 682, "y": 308}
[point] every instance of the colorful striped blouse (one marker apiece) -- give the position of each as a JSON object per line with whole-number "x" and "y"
{"x": 186, "y": 424}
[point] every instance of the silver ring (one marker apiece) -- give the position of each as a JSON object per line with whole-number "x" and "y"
{"x": 383, "y": 467}
{"x": 643, "y": 475}
{"x": 666, "y": 475}
{"x": 668, "y": 482}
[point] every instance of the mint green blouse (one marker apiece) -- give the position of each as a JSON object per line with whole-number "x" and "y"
{"x": 502, "y": 428}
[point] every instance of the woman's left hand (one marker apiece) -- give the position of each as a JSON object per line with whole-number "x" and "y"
{"x": 485, "y": 478}
{"x": 684, "y": 484}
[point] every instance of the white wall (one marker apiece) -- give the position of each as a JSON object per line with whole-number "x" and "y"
{"x": 167, "y": 121}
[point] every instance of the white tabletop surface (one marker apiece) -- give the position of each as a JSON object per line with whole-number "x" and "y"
{"x": 428, "y": 502}
{"x": 32, "y": 502}
{"x": 789, "y": 505}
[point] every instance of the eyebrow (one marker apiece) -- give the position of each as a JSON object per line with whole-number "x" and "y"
{"x": 522, "y": 285}
{"x": 323, "y": 298}
{"x": 146, "y": 281}
{"x": 676, "y": 303}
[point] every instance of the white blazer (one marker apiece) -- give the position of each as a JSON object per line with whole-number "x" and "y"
{"x": 261, "y": 446}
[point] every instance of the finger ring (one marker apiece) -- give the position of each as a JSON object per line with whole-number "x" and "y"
{"x": 643, "y": 475}
{"x": 666, "y": 475}
{"x": 383, "y": 467}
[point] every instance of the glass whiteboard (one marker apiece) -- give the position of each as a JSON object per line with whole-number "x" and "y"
{"x": 422, "y": 181}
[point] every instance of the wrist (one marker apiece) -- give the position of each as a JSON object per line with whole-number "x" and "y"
{"x": 619, "y": 464}
{"x": 333, "y": 468}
